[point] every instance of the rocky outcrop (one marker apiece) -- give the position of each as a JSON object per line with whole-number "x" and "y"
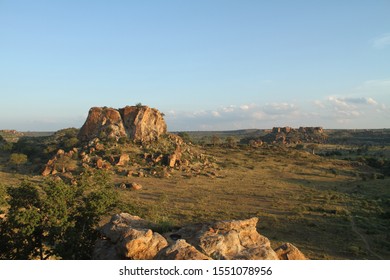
{"x": 288, "y": 135}
{"x": 129, "y": 237}
{"x": 138, "y": 123}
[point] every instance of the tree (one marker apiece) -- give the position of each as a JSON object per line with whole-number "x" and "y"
{"x": 231, "y": 141}
{"x": 17, "y": 159}
{"x": 215, "y": 140}
{"x": 54, "y": 219}
{"x": 185, "y": 136}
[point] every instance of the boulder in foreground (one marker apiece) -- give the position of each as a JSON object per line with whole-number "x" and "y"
{"x": 130, "y": 237}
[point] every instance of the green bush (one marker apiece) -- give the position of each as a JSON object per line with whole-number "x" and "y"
{"x": 17, "y": 159}
{"x": 54, "y": 219}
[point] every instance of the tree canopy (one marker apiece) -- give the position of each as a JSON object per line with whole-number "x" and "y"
{"x": 54, "y": 219}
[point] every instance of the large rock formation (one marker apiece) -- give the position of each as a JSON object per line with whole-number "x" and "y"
{"x": 129, "y": 237}
{"x": 288, "y": 135}
{"x": 138, "y": 123}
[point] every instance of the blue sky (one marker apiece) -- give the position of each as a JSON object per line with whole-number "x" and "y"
{"x": 208, "y": 65}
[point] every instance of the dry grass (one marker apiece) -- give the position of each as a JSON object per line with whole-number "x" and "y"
{"x": 299, "y": 198}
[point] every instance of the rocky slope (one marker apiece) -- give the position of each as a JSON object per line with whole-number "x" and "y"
{"x": 130, "y": 237}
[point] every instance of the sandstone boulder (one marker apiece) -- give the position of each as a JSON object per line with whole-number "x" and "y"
{"x": 134, "y": 186}
{"x": 232, "y": 240}
{"x": 289, "y": 252}
{"x": 130, "y": 238}
{"x": 123, "y": 160}
{"x": 175, "y": 157}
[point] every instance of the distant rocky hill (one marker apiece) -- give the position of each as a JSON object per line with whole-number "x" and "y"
{"x": 288, "y": 135}
{"x": 138, "y": 123}
{"x": 10, "y": 135}
{"x": 130, "y": 237}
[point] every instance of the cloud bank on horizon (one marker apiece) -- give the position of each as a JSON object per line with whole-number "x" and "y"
{"x": 208, "y": 65}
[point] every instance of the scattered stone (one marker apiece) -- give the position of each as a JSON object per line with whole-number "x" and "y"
{"x": 99, "y": 163}
{"x": 123, "y": 160}
{"x": 134, "y": 186}
{"x": 99, "y": 147}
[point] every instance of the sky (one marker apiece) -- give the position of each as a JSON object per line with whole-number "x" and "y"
{"x": 206, "y": 64}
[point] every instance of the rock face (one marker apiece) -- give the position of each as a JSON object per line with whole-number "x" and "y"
{"x": 142, "y": 123}
{"x": 138, "y": 123}
{"x": 289, "y": 252}
{"x": 101, "y": 122}
{"x": 128, "y": 237}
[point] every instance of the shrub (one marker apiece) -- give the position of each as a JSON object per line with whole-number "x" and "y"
{"x": 54, "y": 219}
{"x": 17, "y": 159}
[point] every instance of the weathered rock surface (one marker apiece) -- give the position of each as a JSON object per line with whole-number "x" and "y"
{"x": 142, "y": 123}
{"x": 181, "y": 250}
{"x": 138, "y": 123}
{"x": 128, "y": 237}
{"x": 232, "y": 240}
{"x": 289, "y": 252}
{"x": 101, "y": 122}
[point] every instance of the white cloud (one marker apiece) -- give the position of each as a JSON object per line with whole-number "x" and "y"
{"x": 349, "y": 102}
{"x": 215, "y": 114}
{"x": 280, "y": 108}
{"x": 382, "y": 41}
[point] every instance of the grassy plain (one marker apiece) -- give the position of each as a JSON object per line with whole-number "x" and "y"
{"x": 321, "y": 205}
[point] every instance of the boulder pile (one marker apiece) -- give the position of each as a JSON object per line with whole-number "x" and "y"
{"x": 130, "y": 237}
